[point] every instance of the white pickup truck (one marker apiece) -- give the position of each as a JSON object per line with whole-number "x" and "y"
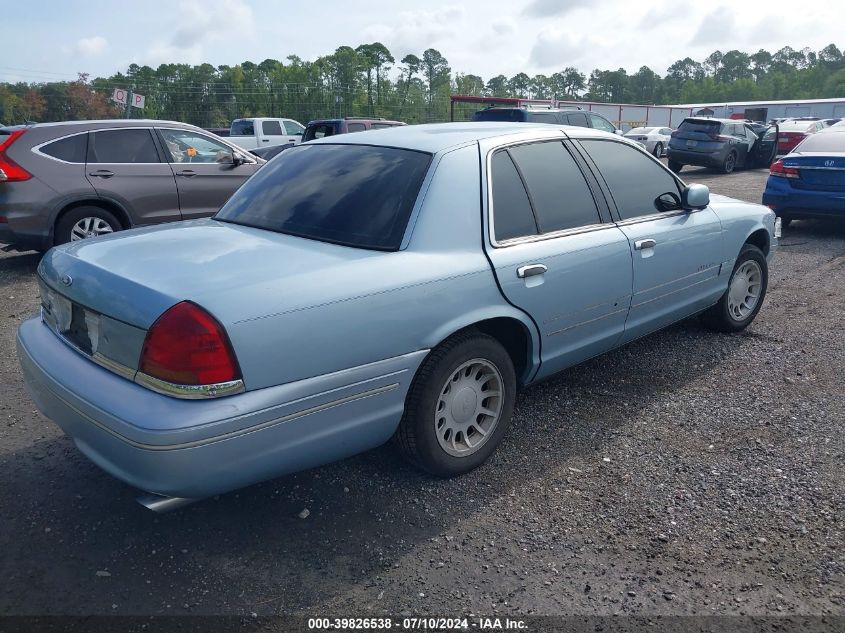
{"x": 265, "y": 132}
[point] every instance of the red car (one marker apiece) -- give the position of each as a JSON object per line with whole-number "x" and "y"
{"x": 790, "y": 133}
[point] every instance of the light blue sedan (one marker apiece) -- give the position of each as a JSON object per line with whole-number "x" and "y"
{"x": 399, "y": 283}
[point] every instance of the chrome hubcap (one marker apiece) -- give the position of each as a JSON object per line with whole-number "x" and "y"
{"x": 744, "y": 291}
{"x": 89, "y": 227}
{"x": 469, "y": 407}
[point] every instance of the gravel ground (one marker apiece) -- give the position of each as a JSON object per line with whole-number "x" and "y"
{"x": 687, "y": 473}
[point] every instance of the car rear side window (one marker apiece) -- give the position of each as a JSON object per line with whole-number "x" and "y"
{"x": 635, "y": 180}
{"x": 559, "y": 194}
{"x": 356, "y": 127}
{"x": 576, "y": 118}
{"x": 122, "y": 146}
{"x": 355, "y": 195}
{"x": 71, "y": 149}
{"x": 543, "y": 117}
{"x": 271, "y": 128}
{"x": 600, "y": 123}
{"x": 512, "y": 215}
{"x": 293, "y": 128}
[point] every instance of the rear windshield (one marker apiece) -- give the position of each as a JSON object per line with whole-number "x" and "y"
{"x": 243, "y": 127}
{"x": 795, "y": 126}
{"x": 355, "y": 195}
{"x": 823, "y": 142}
{"x": 499, "y": 115}
{"x": 707, "y": 127}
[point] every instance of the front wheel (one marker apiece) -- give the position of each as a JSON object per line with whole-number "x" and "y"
{"x": 744, "y": 296}
{"x": 459, "y": 405}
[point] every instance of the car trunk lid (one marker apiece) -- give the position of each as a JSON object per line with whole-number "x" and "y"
{"x": 817, "y": 171}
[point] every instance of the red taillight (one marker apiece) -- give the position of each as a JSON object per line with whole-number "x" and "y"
{"x": 778, "y": 169}
{"x": 187, "y": 346}
{"x": 719, "y": 137}
{"x": 4, "y": 219}
{"x": 10, "y": 171}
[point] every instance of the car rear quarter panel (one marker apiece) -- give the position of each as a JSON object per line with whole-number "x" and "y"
{"x": 741, "y": 220}
{"x": 387, "y": 306}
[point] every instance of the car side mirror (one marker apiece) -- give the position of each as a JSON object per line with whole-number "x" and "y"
{"x": 668, "y": 201}
{"x": 619, "y": 132}
{"x": 237, "y": 159}
{"x": 695, "y": 197}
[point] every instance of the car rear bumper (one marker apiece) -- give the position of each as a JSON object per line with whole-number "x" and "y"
{"x": 703, "y": 159}
{"x": 785, "y": 200}
{"x": 236, "y": 441}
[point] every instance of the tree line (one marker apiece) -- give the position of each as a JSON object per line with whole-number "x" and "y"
{"x": 369, "y": 80}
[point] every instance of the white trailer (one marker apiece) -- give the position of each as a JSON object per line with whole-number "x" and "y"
{"x": 767, "y": 110}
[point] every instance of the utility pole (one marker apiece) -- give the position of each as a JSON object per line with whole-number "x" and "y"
{"x": 128, "y": 114}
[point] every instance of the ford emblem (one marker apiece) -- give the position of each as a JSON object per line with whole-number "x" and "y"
{"x": 67, "y": 280}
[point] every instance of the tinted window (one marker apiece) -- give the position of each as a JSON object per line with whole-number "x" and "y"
{"x": 576, "y": 118}
{"x": 512, "y": 216}
{"x": 559, "y": 193}
{"x": 71, "y": 149}
{"x": 634, "y": 179}
{"x": 499, "y": 114}
{"x": 271, "y": 128}
{"x": 356, "y": 127}
{"x": 823, "y": 142}
{"x": 543, "y": 117}
{"x": 705, "y": 127}
{"x": 319, "y": 130}
{"x": 356, "y": 195}
{"x": 122, "y": 146}
{"x": 381, "y": 126}
{"x": 293, "y": 128}
{"x": 600, "y": 123}
{"x": 242, "y": 128}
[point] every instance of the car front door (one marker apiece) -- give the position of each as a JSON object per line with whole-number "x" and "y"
{"x": 677, "y": 254}
{"x": 553, "y": 254}
{"x": 294, "y": 131}
{"x": 273, "y": 134}
{"x": 124, "y": 166}
{"x": 205, "y": 175}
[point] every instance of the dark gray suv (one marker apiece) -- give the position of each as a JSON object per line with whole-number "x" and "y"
{"x": 61, "y": 182}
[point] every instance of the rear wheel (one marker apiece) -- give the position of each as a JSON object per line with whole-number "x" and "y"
{"x": 675, "y": 166}
{"x": 730, "y": 163}
{"x": 744, "y": 296}
{"x": 85, "y": 222}
{"x": 658, "y": 150}
{"x": 785, "y": 222}
{"x": 459, "y": 406}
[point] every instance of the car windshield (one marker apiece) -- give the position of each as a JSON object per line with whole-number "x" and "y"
{"x": 355, "y": 195}
{"x": 824, "y": 142}
{"x": 495, "y": 114}
{"x": 795, "y": 126}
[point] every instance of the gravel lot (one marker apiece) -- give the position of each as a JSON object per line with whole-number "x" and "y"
{"x": 687, "y": 473}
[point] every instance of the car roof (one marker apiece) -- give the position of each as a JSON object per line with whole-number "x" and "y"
{"x": 706, "y": 119}
{"x": 109, "y": 122}
{"x": 437, "y": 137}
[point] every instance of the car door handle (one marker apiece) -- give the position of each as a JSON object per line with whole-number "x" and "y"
{"x": 102, "y": 173}
{"x": 641, "y": 244}
{"x": 187, "y": 173}
{"x": 265, "y": 140}
{"x": 530, "y": 270}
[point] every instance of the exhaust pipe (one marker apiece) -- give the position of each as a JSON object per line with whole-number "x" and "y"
{"x": 162, "y": 504}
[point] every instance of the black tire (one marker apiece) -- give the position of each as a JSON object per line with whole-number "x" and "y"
{"x": 658, "y": 150}
{"x": 729, "y": 163}
{"x": 718, "y": 317}
{"x": 785, "y": 222}
{"x": 66, "y": 223}
{"x": 675, "y": 166}
{"x": 416, "y": 436}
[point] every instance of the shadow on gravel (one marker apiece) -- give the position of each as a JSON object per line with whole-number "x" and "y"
{"x": 18, "y": 263}
{"x": 77, "y": 543}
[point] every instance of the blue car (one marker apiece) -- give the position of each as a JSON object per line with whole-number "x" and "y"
{"x": 810, "y": 181}
{"x": 402, "y": 283}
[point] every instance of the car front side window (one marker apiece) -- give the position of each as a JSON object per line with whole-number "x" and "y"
{"x": 639, "y": 185}
{"x": 185, "y": 146}
{"x": 600, "y": 123}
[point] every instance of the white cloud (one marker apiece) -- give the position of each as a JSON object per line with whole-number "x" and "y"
{"x": 415, "y": 31}
{"x": 91, "y": 46}
{"x": 202, "y": 25}
{"x": 555, "y": 49}
{"x": 716, "y": 27}
{"x": 503, "y": 26}
{"x": 549, "y": 8}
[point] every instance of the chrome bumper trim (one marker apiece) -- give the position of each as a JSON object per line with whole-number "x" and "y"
{"x": 190, "y": 392}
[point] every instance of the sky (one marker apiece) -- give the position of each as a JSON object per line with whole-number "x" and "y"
{"x": 55, "y": 40}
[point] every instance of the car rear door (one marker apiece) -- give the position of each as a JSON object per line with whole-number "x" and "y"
{"x": 205, "y": 175}
{"x": 553, "y": 254}
{"x": 272, "y": 133}
{"x": 125, "y": 166}
{"x": 677, "y": 254}
{"x": 294, "y": 131}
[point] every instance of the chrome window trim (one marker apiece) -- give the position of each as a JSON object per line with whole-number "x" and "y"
{"x": 190, "y": 392}
{"x": 37, "y": 148}
{"x": 655, "y": 216}
{"x": 540, "y": 237}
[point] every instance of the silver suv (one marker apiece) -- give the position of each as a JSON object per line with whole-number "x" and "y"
{"x": 61, "y": 182}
